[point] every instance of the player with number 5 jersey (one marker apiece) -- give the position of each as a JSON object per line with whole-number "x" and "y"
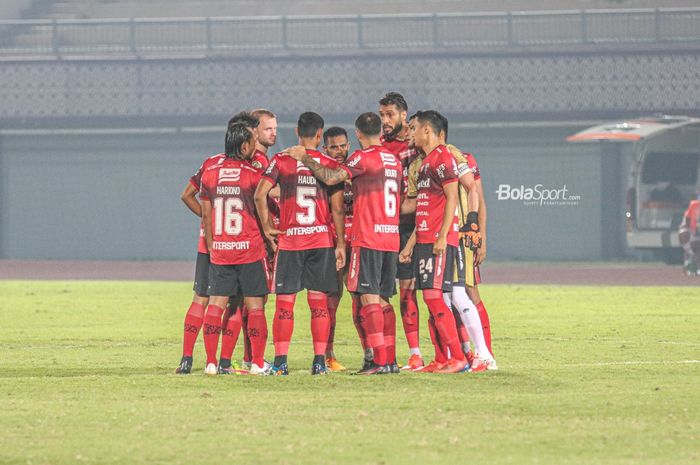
{"x": 307, "y": 257}
{"x": 377, "y": 186}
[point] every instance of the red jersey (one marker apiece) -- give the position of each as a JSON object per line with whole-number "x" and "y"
{"x": 471, "y": 161}
{"x": 406, "y": 155}
{"x": 347, "y": 204}
{"x": 347, "y": 209}
{"x": 377, "y": 178}
{"x": 196, "y": 181}
{"x": 438, "y": 169}
{"x": 259, "y": 161}
{"x": 304, "y": 207}
{"x": 693, "y": 215}
{"x": 230, "y": 187}
{"x": 400, "y": 148}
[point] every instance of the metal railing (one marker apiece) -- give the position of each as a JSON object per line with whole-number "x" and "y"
{"x": 230, "y": 35}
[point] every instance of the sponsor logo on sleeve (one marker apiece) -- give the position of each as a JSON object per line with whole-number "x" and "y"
{"x": 441, "y": 171}
{"x": 352, "y": 163}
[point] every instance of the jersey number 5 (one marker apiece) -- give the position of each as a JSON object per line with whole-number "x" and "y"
{"x": 306, "y": 199}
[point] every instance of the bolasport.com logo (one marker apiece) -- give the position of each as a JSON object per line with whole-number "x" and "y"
{"x": 538, "y": 195}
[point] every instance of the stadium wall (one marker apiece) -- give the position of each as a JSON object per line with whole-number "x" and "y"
{"x": 82, "y": 176}
{"x": 115, "y": 195}
{"x": 12, "y": 9}
{"x": 514, "y": 86}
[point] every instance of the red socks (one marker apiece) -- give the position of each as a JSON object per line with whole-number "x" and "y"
{"x": 283, "y": 323}
{"x": 440, "y": 349}
{"x": 212, "y": 329}
{"x": 333, "y": 302}
{"x": 409, "y": 316}
{"x": 390, "y": 333}
{"x": 246, "y": 341}
{"x": 357, "y": 319}
{"x": 257, "y": 332}
{"x": 193, "y": 323}
{"x": 320, "y": 321}
{"x": 444, "y": 321}
{"x": 485, "y": 324}
{"x": 230, "y": 331}
{"x": 373, "y": 325}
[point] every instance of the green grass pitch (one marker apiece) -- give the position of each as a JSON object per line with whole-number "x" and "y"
{"x": 588, "y": 375}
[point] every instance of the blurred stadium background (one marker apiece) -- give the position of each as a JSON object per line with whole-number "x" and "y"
{"x": 108, "y": 106}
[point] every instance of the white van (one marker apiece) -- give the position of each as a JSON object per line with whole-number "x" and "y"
{"x": 663, "y": 176}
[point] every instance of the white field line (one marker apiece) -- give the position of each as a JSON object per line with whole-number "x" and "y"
{"x": 634, "y": 362}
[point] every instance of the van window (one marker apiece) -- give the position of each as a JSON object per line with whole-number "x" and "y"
{"x": 673, "y": 167}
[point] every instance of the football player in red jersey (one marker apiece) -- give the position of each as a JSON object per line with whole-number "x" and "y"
{"x": 306, "y": 257}
{"x": 236, "y": 245}
{"x": 236, "y": 314}
{"x": 467, "y": 313}
{"x": 337, "y": 146}
{"x": 393, "y": 110}
{"x": 266, "y": 132}
{"x": 195, "y": 314}
{"x": 377, "y": 186}
{"x": 437, "y": 232}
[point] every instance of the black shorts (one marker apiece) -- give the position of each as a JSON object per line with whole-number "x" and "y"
{"x": 201, "y": 275}
{"x": 405, "y": 270}
{"x": 372, "y": 272}
{"x": 434, "y": 272}
{"x": 312, "y": 269}
{"x": 459, "y": 275}
{"x": 247, "y": 280}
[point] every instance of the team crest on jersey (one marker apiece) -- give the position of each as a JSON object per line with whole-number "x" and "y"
{"x": 388, "y": 159}
{"x": 229, "y": 174}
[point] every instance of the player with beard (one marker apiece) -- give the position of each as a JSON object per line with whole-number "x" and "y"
{"x": 337, "y": 146}
{"x": 305, "y": 258}
{"x": 236, "y": 245}
{"x": 393, "y": 110}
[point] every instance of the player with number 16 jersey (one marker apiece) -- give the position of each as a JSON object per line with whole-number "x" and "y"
{"x": 230, "y": 187}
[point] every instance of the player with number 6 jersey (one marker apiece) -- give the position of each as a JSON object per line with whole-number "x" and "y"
{"x": 377, "y": 186}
